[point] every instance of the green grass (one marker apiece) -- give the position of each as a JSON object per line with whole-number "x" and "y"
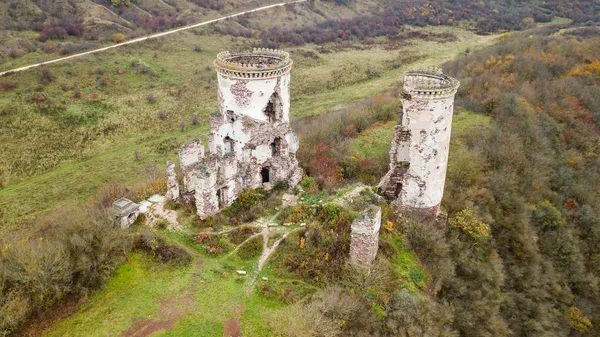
{"x": 139, "y": 289}
{"x": 407, "y": 266}
{"x": 374, "y": 142}
{"x": 464, "y": 120}
{"x": 133, "y": 292}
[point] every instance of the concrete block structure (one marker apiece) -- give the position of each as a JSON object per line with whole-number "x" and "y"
{"x": 419, "y": 153}
{"x": 125, "y": 212}
{"x": 251, "y": 143}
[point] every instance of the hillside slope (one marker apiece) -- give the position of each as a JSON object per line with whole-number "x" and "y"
{"x": 533, "y": 176}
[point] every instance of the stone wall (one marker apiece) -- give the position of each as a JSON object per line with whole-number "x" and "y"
{"x": 364, "y": 241}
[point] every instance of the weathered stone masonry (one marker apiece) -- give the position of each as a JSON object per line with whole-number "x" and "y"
{"x": 251, "y": 143}
{"x": 419, "y": 153}
{"x": 364, "y": 239}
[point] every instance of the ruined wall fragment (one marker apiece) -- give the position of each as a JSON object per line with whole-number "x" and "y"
{"x": 364, "y": 241}
{"x": 190, "y": 156}
{"x": 172, "y": 183}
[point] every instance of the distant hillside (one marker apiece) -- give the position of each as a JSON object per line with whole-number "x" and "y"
{"x": 40, "y": 28}
{"x": 67, "y": 27}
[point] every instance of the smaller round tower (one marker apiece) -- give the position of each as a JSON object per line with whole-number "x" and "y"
{"x": 419, "y": 153}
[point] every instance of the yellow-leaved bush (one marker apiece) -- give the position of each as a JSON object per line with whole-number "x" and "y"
{"x": 466, "y": 221}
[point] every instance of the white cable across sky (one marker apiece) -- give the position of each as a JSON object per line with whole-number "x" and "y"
{"x": 140, "y": 39}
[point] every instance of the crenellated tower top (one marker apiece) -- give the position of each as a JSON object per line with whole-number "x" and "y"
{"x": 430, "y": 83}
{"x": 260, "y": 63}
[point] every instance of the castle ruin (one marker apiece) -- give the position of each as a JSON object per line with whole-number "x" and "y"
{"x": 251, "y": 143}
{"x": 419, "y": 153}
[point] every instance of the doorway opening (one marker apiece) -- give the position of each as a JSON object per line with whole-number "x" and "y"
{"x": 398, "y": 190}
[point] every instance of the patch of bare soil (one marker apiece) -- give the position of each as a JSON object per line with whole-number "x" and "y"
{"x": 232, "y": 327}
{"x": 171, "y": 310}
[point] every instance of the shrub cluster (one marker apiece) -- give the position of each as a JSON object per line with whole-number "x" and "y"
{"x": 324, "y": 153}
{"x": 159, "y": 248}
{"x": 71, "y": 253}
{"x": 317, "y": 253}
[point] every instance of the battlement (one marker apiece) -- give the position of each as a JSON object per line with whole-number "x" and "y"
{"x": 430, "y": 83}
{"x": 260, "y": 63}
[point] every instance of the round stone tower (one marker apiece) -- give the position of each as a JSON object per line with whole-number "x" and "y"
{"x": 255, "y": 84}
{"x": 419, "y": 153}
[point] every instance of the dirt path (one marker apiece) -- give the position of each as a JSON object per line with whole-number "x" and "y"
{"x": 141, "y": 39}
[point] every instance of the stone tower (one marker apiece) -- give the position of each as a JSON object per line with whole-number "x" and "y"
{"x": 419, "y": 153}
{"x": 251, "y": 143}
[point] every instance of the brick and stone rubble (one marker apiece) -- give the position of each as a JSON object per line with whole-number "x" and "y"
{"x": 251, "y": 143}
{"x": 419, "y": 152}
{"x": 364, "y": 241}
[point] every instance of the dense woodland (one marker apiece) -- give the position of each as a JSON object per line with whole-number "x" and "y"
{"x": 521, "y": 252}
{"x": 533, "y": 176}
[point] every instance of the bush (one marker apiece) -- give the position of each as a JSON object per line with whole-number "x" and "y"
{"x": 70, "y": 252}
{"x": 118, "y": 38}
{"x": 252, "y": 248}
{"x": 195, "y": 119}
{"x": 159, "y": 248}
{"x": 7, "y": 85}
{"x": 14, "y": 53}
{"x": 329, "y": 312}
{"x": 46, "y": 75}
{"x": 240, "y": 234}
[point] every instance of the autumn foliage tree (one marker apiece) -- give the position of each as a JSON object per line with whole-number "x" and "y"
{"x": 326, "y": 170}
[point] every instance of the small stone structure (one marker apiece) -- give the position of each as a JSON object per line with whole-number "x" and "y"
{"x": 364, "y": 241}
{"x": 419, "y": 153}
{"x": 251, "y": 143}
{"x": 172, "y": 183}
{"x": 125, "y": 212}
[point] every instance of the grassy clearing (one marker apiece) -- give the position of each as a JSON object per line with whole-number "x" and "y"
{"x": 138, "y": 291}
{"x": 375, "y": 141}
{"x": 133, "y": 293}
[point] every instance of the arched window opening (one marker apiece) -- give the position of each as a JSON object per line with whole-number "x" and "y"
{"x": 398, "y": 190}
{"x": 228, "y": 145}
{"x": 222, "y": 197}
